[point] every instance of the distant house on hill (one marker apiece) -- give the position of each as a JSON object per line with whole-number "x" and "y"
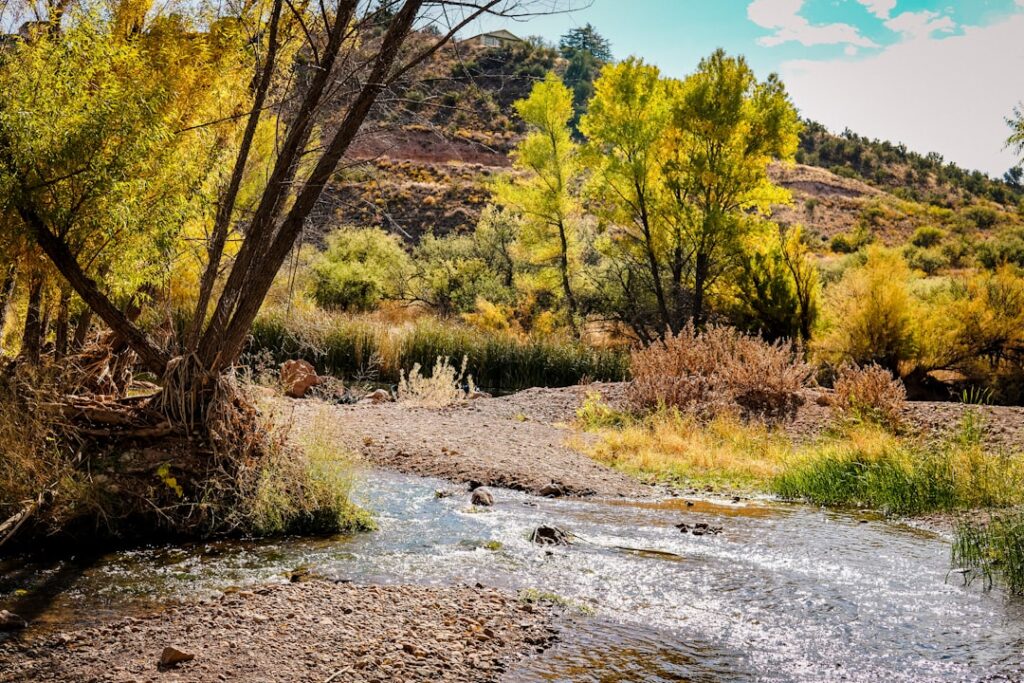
{"x": 499, "y": 38}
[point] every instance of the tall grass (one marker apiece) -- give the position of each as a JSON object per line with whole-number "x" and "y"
{"x": 993, "y": 551}
{"x": 348, "y": 346}
{"x": 872, "y": 468}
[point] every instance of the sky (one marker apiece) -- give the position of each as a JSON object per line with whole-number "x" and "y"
{"x": 937, "y": 75}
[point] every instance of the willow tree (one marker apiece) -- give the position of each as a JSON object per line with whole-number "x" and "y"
{"x": 318, "y": 94}
{"x": 546, "y": 194}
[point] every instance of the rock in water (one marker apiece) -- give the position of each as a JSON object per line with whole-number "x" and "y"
{"x": 171, "y": 657}
{"x": 298, "y": 377}
{"x": 553, "y": 490}
{"x": 482, "y": 497}
{"x": 11, "y": 622}
{"x": 550, "y": 535}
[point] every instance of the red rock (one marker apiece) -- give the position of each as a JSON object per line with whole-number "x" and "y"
{"x": 298, "y": 377}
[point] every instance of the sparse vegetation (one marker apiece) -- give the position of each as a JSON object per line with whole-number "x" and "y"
{"x": 869, "y": 394}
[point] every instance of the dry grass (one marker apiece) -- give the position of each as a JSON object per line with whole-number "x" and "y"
{"x": 869, "y": 394}
{"x": 680, "y": 448}
{"x": 719, "y": 371}
{"x": 444, "y": 386}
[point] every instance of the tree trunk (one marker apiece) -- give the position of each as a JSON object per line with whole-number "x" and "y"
{"x": 82, "y": 328}
{"x": 570, "y": 298}
{"x": 700, "y": 277}
{"x": 31, "y": 338}
{"x": 61, "y": 331}
{"x": 7, "y": 295}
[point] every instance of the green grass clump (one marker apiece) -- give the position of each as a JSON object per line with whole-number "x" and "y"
{"x": 349, "y": 346}
{"x": 993, "y": 551}
{"x": 871, "y": 468}
{"x": 306, "y": 490}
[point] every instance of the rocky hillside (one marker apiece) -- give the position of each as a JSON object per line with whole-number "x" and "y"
{"x": 426, "y": 165}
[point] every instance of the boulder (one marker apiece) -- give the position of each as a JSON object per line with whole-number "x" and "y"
{"x": 298, "y": 377}
{"x": 550, "y": 535}
{"x": 482, "y": 497}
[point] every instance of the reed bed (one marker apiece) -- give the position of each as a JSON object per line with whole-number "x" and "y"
{"x": 365, "y": 348}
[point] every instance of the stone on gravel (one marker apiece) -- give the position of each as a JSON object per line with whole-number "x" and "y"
{"x": 550, "y": 535}
{"x": 297, "y": 378}
{"x": 482, "y": 497}
{"x": 376, "y": 397}
{"x": 172, "y": 656}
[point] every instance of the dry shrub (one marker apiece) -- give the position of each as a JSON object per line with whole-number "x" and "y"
{"x": 444, "y": 386}
{"x": 869, "y": 394}
{"x": 719, "y": 371}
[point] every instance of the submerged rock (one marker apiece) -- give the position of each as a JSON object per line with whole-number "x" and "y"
{"x": 482, "y": 497}
{"x": 699, "y": 529}
{"x": 550, "y": 535}
{"x": 10, "y": 621}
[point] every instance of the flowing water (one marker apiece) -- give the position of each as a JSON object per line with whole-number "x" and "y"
{"x": 783, "y": 593}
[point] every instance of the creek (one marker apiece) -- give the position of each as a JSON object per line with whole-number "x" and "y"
{"x": 783, "y": 593}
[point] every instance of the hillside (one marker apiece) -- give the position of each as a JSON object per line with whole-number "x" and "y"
{"x": 427, "y": 165}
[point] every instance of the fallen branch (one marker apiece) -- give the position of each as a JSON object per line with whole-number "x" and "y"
{"x": 11, "y": 526}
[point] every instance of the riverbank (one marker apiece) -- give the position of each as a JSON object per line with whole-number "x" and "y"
{"x": 310, "y": 631}
{"x": 528, "y": 441}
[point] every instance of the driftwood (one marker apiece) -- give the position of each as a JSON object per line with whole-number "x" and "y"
{"x": 13, "y": 523}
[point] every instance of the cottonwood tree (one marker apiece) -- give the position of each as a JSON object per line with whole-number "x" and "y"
{"x": 318, "y": 95}
{"x": 626, "y": 127}
{"x": 727, "y": 127}
{"x": 546, "y": 196}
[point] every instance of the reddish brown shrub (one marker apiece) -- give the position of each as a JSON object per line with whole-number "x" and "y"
{"x": 869, "y": 394}
{"x": 719, "y": 370}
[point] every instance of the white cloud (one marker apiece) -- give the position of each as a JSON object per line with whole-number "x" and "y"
{"x": 850, "y": 50}
{"x": 923, "y": 24}
{"x": 948, "y": 95}
{"x": 883, "y": 8}
{"x": 783, "y": 17}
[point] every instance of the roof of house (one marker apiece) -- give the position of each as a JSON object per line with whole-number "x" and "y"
{"x": 501, "y": 34}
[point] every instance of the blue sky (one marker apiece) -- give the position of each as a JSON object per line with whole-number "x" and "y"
{"x": 937, "y": 75}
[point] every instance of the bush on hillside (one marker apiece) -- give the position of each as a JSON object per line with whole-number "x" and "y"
{"x": 718, "y": 371}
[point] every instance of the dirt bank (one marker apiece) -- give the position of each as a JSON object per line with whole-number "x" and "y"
{"x": 313, "y": 631}
{"x": 515, "y": 442}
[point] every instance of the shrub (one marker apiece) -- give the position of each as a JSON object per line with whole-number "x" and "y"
{"x": 929, "y": 261}
{"x": 871, "y": 316}
{"x": 927, "y": 236}
{"x": 444, "y": 387}
{"x": 359, "y": 268}
{"x": 869, "y": 394}
{"x": 717, "y": 371}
